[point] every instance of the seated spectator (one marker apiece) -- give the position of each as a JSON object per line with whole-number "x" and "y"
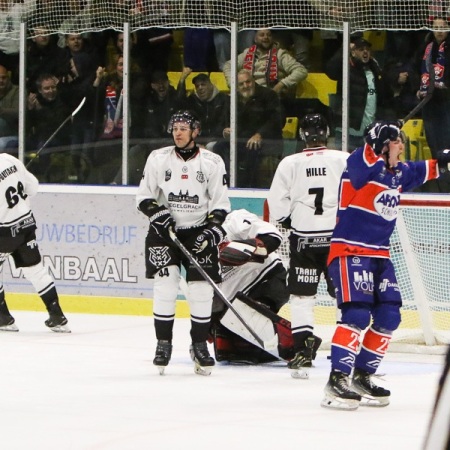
{"x": 152, "y": 119}
{"x": 46, "y": 111}
{"x": 270, "y": 66}
{"x": 44, "y": 57}
{"x": 211, "y": 106}
{"x": 259, "y": 133}
{"x": 79, "y": 17}
{"x": 9, "y": 111}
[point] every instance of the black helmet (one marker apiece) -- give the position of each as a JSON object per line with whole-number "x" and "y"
{"x": 184, "y": 116}
{"x": 313, "y": 128}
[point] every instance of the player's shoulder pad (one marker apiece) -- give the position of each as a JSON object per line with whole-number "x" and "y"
{"x": 210, "y": 156}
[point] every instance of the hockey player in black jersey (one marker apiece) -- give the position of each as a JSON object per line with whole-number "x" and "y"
{"x": 183, "y": 189}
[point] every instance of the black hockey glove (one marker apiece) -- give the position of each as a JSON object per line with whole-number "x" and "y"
{"x": 378, "y": 134}
{"x": 443, "y": 159}
{"x": 286, "y": 223}
{"x": 161, "y": 221}
{"x": 211, "y": 236}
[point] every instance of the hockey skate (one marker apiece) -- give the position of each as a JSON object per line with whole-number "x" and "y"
{"x": 338, "y": 394}
{"x": 7, "y": 323}
{"x": 57, "y": 323}
{"x": 302, "y": 361}
{"x": 162, "y": 355}
{"x": 203, "y": 362}
{"x": 371, "y": 394}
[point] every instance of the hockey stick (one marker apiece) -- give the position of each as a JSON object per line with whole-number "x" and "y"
{"x": 419, "y": 106}
{"x": 216, "y": 288}
{"x": 57, "y": 130}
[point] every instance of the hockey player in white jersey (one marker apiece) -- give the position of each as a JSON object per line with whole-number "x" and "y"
{"x": 183, "y": 188}
{"x": 252, "y": 268}
{"x": 303, "y": 197}
{"x": 18, "y": 240}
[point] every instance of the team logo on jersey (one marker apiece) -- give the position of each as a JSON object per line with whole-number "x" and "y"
{"x": 200, "y": 177}
{"x": 168, "y": 175}
{"x": 386, "y": 204}
{"x": 363, "y": 281}
{"x": 184, "y": 169}
{"x": 356, "y": 261}
{"x": 184, "y": 198}
{"x": 385, "y": 284}
{"x": 159, "y": 256}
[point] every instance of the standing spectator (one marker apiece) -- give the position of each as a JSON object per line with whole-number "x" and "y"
{"x": 11, "y": 15}
{"x": 108, "y": 92}
{"x": 211, "y": 106}
{"x": 9, "y": 109}
{"x": 366, "y": 95}
{"x": 436, "y": 113}
{"x": 152, "y": 48}
{"x": 44, "y": 57}
{"x": 360, "y": 266}
{"x": 199, "y": 51}
{"x": 77, "y": 44}
{"x": 259, "y": 132}
{"x": 18, "y": 239}
{"x": 402, "y": 81}
{"x": 46, "y": 110}
{"x": 184, "y": 189}
{"x": 270, "y": 66}
{"x": 152, "y": 120}
{"x": 303, "y": 197}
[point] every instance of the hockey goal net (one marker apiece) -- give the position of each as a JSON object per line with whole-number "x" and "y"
{"x": 420, "y": 251}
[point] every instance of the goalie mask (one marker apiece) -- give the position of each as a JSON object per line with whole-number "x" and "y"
{"x": 314, "y": 129}
{"x": 186, "y": 117}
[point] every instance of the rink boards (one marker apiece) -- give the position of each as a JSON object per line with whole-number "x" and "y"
{"x": 92, "y": 241}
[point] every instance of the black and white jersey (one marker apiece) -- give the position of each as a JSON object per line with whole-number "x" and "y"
{"x": 16, "y": 185}
{"x": 189, "y": 189}
{"x": 242, "y": 224}
{"x": 305, "y": 188}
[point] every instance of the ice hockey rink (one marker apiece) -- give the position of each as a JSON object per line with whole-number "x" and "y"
{"x": 97, "y": 388}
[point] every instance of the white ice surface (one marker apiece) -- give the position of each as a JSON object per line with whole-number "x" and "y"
{"x": 96, "y": 388}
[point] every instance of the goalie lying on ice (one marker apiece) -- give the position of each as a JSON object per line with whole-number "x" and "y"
{"x": 254, "y": 279}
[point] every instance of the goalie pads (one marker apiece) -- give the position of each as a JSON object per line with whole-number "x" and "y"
{"x": 239, "y": 345}
{"x": 237, "y": 253}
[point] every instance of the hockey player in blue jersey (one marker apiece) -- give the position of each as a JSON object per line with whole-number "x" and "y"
{"x": 359, "y": 262}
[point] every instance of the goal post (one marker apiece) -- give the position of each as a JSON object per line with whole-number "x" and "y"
{"x": 420, "y": 251}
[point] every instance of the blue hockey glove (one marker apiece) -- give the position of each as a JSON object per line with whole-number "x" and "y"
{"x": 211, "y": 236}
{"x": 378, "y": 134}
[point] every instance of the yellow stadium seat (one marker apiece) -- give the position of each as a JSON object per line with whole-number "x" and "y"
{"x": 317, "y": 85}
{"x": 174, "y": 78}
{"x": 219, "y": 80}
{"x": 290, "y": 128}
{"x": 416, "y": 147}
{"x": 377, "y": 38}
